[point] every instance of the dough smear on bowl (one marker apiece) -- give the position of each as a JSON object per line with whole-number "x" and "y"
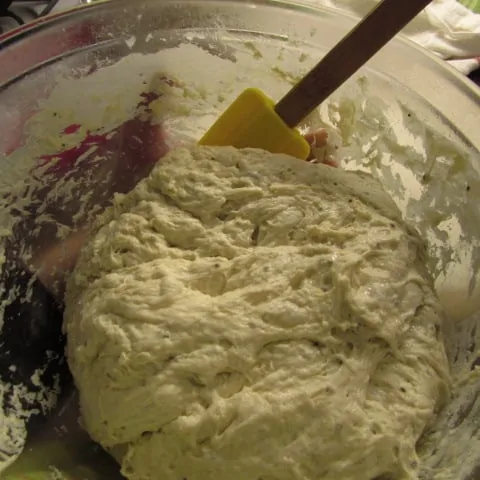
{"x": 246, "y": 316}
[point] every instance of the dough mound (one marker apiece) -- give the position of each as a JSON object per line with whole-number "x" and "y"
{"x": 247, "y": 316}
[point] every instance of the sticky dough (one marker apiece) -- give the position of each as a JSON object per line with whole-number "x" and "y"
{"x": 246, "y": 316}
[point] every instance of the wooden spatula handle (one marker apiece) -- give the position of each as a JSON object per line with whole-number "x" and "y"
{"x": 378, "y": 27}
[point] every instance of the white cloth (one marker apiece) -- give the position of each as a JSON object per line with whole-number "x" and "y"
{"x": 445, "y": 27}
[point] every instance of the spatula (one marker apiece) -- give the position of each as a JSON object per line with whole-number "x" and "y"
{"x": 253, "y": 119}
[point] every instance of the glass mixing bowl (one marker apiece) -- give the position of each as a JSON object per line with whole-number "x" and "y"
{"x": 91, "y": 98}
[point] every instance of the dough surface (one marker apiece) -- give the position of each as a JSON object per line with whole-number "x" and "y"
{"x": 246, "y": 316}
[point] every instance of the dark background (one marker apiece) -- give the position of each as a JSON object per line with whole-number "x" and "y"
{"x": 475, "y": 76}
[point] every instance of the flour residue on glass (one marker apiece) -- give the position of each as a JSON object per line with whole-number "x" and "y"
{"x": 19, "y": 403}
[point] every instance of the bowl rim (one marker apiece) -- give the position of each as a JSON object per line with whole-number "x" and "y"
{"x": 13, "y": 36}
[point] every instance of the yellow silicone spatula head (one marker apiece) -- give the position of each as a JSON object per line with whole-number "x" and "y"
{"x": 253, "y": 120}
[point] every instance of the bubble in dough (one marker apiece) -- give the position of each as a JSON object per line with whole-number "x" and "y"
{"x": 246, "y": 316}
